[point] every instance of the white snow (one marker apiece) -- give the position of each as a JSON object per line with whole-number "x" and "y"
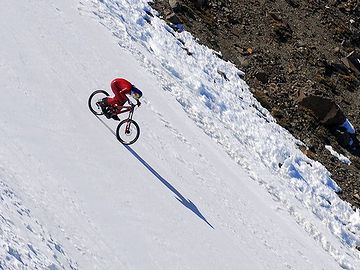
{"x": 212, "y": 183}
{"x": 339, "y": 156}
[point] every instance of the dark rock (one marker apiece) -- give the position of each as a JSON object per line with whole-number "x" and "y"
{"x": 340, "y": 68}
{"x": 352, "y": 61}
{"x": 262, "y": 76}
{"x": 293, "y": 3}
{"x": 173, "y": 18}
{"x": 342, "y": 137}
{"x": 324, "y": 109}
{"x": 282, "y": 30}
{"x": 200, "y": 3}
{"x": 277, "y": 113}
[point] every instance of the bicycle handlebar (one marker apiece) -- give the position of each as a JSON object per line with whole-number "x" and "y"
{"x": 131, "y": 104}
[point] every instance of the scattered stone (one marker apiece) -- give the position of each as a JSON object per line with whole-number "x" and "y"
{"x": 300, "y": 44}
{"x": 282, "y": 30}
{"x": 250, "y": 50}
{"x": 262, "y": 77}
{"x": 340, "y": 68}
{"x": 277, "y": 113}
{"x": 201, "y": 3}
{"x": 352, "y": 61}
{"x": 243, "y": 62}
{"x": 293, "y": 3}
{"x": 262, "y": 98}
{"x": 173, "y": 18}
{"x": 175, "y": 4}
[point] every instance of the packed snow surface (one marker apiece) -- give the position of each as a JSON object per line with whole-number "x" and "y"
{"x": 212, "y": 183}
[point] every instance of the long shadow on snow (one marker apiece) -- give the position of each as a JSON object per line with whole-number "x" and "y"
{"x": 187, "y": 203}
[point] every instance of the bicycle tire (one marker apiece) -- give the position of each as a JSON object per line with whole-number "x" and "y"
{"x": 97, "y": 94}
{"x": 133, "y": 134}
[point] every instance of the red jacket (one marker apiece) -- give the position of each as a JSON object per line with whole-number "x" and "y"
{"x": 121, "y": 88}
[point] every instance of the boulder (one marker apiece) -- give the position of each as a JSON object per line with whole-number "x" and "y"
{"x": 324, "y": 109}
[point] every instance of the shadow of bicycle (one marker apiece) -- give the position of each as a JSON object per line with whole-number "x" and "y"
{"x": 185, "y": 202}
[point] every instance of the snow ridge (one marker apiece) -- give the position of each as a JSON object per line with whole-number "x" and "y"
{"x": 213, "y": 94}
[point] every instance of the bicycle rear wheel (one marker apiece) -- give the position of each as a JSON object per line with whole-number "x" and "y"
{"x": 128, "y": 131}
{"x": 94, "y": 99}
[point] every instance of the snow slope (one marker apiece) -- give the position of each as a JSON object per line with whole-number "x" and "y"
{"x": 212, "y": 183}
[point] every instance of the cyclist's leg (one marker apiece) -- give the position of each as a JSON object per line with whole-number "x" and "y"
{"x": 107, "y": 105}
{"x": 116, "y": 106}
{"x": 116, "y": 90}
{"x": 111, "y": 101}
{"x": 119, "y": 105}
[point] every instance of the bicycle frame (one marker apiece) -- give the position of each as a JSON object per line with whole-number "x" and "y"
{"x": 130, "y": 109}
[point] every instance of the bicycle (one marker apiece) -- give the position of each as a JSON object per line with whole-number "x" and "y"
{"x": 128, "y": 131}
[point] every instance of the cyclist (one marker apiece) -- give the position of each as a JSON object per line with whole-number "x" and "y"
{"x": 111, "y": 106}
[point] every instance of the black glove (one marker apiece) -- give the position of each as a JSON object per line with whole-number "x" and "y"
{"x": 138, "y": 103}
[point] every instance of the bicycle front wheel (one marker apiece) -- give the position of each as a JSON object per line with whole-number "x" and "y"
{"x": 128, "y": 131}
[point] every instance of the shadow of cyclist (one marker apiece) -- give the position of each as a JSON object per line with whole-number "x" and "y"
{"x": 187, "y": 203}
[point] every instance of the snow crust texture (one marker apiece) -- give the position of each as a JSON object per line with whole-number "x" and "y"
{"x": 24, "y": 242}
{"x": 213, "y": 94}
{"x": 212, "y": 183}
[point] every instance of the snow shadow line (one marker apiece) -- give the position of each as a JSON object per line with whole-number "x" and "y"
{"x": 187, "y": 203}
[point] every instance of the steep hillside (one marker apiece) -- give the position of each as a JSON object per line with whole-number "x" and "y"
{"x": 285, "y": 47}
{"x": 212, "y": 183}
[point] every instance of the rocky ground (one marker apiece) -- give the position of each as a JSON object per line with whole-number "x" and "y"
{"x": 284, "y": 46}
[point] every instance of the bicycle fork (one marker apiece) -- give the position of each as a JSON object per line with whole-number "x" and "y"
{"x": 127, "y": 129}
